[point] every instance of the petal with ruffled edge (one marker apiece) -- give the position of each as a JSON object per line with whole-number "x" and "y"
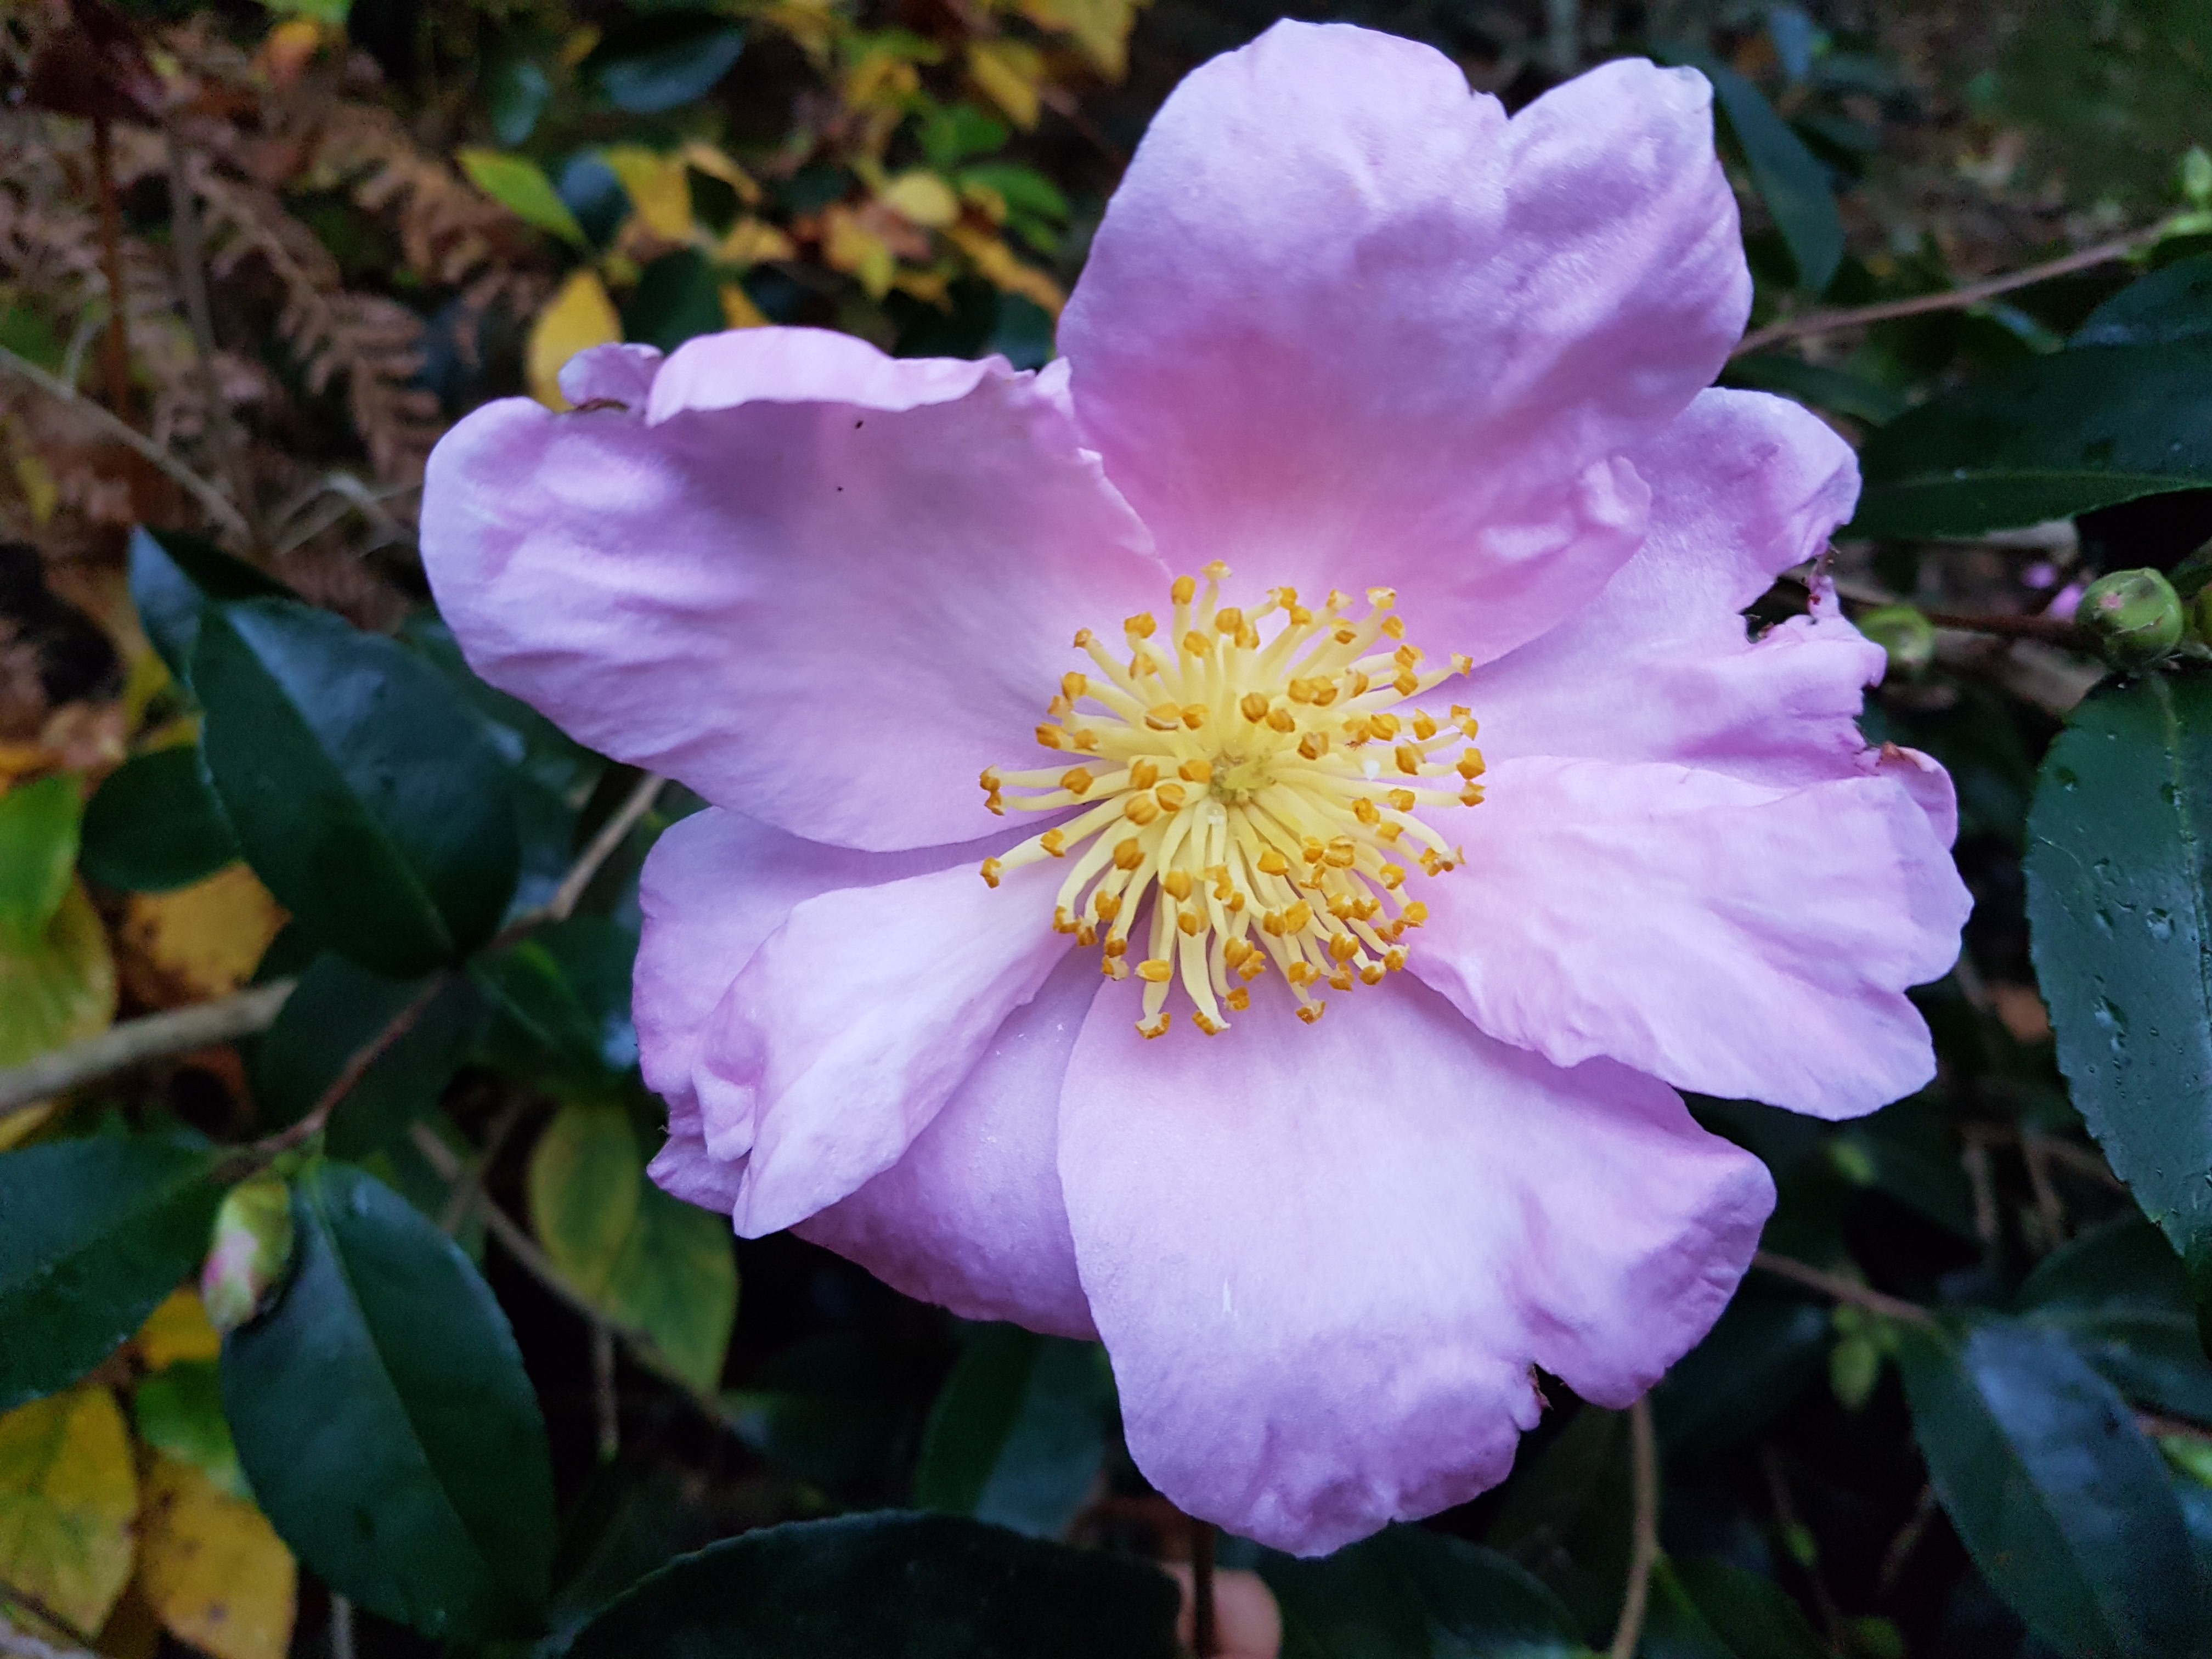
{"x": 1324, "y": 1258}
{"x": 1660, "y": 665}
{"x": 971, "y": 1217}
{"x": 714, "y": 886}
{"x": 823, "y": 588}
{"x": 856, "y": 1020}
{"x": 1728, "y": 937}
{"x": 1345, "y": 324}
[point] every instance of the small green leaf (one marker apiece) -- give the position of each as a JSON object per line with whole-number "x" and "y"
{"x": 385, "y": 1421}
{"x": 916, "y": 1586}
{"x": 173, "y": 576}
{"x": 1410, "y": 1593}
{"x": 586, "y": 1175}
{"x": 1018, "y": 1436}
{"x": 38, "y": 851}
{"x": 2062, "y": 1503}
{"x": 2119, "y": 906}
{"x": 178, "y": 1411}
{"x": 2046, "y": 439}
{"x": 520, "y": 92}
{"x": 156, "y": 825}
{"x": 368, "y": 799}
{"x": 520, "y": 185}
{"x": 93, "y": 1235}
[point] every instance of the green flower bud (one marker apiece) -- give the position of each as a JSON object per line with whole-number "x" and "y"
{"x": 249, "y": 1252}
{"x": 2135, "y": 615}
{"x": 1904, "y": 634}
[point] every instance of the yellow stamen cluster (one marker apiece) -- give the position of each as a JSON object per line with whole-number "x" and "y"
{"x": 1247, "y": 773}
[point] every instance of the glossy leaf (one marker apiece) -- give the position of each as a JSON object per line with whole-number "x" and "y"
{"x": 2047, "y": 439}
{"x": 520, "y": 185}
{"x": 337, "y": 1008}
{"x": 371, "y": 804}
{"x": 1017, "y": 1435}
{"x": 2064, "y": 1504}
{"x": 1567, "y": 1517}
{"x": 919, "y": 1587}
{"x": 1790, "y": 179}
{"x": 2118, "y": 895}
{"x": 179, "y": 1412}
{"x": 68, "y": 1492}
{"x": 1751, "y": 1365}
{"x": 655, "y": 63}
{"x": 59, "y": 989}
{"x": 1817, "y": 385}
{"x": 95, "y": 1234}
{"x": 1410, "y": 1593}
{"x": 562, "y": 997}
{"x": 385, "y": 1421}
{"x": 2120, "y": 1297}
{"x": 156, "y": 825}
{"x": 1742, "y": 1614}
{"x": 172, "y": 576}
{"x": 38, "y": 851}
{"x": 214, "y": 1570}
{"x": 2172, "y": 304}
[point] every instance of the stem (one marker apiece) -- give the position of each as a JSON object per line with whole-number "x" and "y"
{"x": 115, "y": 350}
{"x": 174, "y": 1031}
{"x": 21, "y": 1644}
{"x": 1841, "y": 1288}
{"x": 606, "y": 1407}
{"x": 2051, "y": 630}
{"x": 1643, "y": 1554}
{"x": 341, "y": 1627}
{"x": 611, "y": 836}
{"x": 218, "y": 505}
{"x": 356, "y": 1066}
{"x": 192, "y": 278}
{"x": 1205, "y": 1631}
{"x": 1956, "y": 299}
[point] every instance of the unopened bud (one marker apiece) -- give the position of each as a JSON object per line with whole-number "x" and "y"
{"x": 2135, "y": 616}
{"x": 1904, "y": 634}
{"x": 251, "y": 1248}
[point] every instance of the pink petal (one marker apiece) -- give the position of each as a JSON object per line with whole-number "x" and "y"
{"x": 618, "y": 373}
{"x": 1324, "y": 1258}
{"x": 1660, "y": 666}
{"x": 1345, "y": 324}
{"x": 972, "y": 1216}
{"x": 1729, "y": 937}
{"x": 821, "y": 587}
{"x": 856, "y": 1020}
{"x": 714, "y": 886}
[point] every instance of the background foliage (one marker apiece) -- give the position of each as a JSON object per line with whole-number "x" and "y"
{"x": 343, "y": 1320}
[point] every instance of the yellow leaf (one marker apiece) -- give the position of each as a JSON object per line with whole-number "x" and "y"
{"x": 657, "y": 190}
{"x": 921, "y": 197}
{"x": 995, "y": 261}
{"x": 702, "y": 157}
{"x": 1100, "y": 28}
{"x": 580, "y": 316}
{"x": 1009, "y": 73}
{"x": 60, "y": 989}
{"x": 41, "y": 492}
{"x": 213, "y": 1568}
{"x": 751, "y": 240}
{"x": 178, "y": 1329}
{"x": 849, "y": 246}
{"x": 881, "y": 80}
{"x": 205, "y": 938}
{"x": 21, "y": 1123}
{"x": 68, "y": 1492}
{"x": 738, "y": 309}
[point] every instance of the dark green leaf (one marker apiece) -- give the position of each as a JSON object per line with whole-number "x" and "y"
{"x": 519, "y": 91}
{"x": 371, "y": 803}
{"x": 563, "y": 997}
{"x": 675, "y": 300}
{"x": 1017, "y": 1435}
{"x": 1752, "y": 1364}
{"x": 2121, "y": 1298}
{"x": 384, "y": 1419}
{"x": 2118, "y": 892}
{"x": 1407, "y": 1593}
{"x": 1790, "y": 179}
{"x": 338, "y": 1007}
{"x": 94, "y": 1234}
{"x": 2046, "y": 439}
{"x": 156, "y": 825}
{"x": 837, "y": 1408}
{"x": 908, "y": 1586}
{"x": 1811, "y": 383}
{"x": 1567, "y": 1516}
{"x": 172, "y": 575}
{"x": 2168, "y": 305}
{"x": 650, "y": 65}
{"x": 39, "y": 824}
{"x": 2062, "y": 1503}
{"x": 1749, "y": 1615}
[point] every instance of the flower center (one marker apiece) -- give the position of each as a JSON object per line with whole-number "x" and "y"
{"x": 1250, "y": 769}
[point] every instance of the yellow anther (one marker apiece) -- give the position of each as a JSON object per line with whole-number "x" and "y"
{"x": 1471, "y": 796}
{"x": 1281, "y": 720}
{"x": 996, "y": 803}
{"x": 1117, "y": 947}
{"x": 1061, "y": 921}
{"x": 1229, "y": 620}
{"x": 1338, "y": 599}
{"x": 1114, "y": 967}
{"x": 1391, "y": 831}
{"x": 1341, "y": 979}
{"x": 1251, "y": 967}
{"x": 1408, "y": 682}
{"x": 1085, "y": 934}
{"x": 1183, "y": 589}
{"x": 992, "y": 870}
{"x": 1194, "y": 715}
{"x": 1314, "y": 744}
{"x": 1384, "y": 726}
{"x": 1143, "y": 665}
{"x": 1409, "y": 759}
{"x": 1462, "y": 664}
{"x": 1274, "y": 863}
{"x": 1355, "y": 684}
{"x": 1344, "y": 634}
{"x": 1343, "y": 906}
{"x": 1195, "y": 771}
{"x": 1300, "y": 616}
{"x": 1424, "y": 724}
{"x": 1342, "y": 853}
{"x": 1144, "y": 773}
{"x": 1077, "y": 781}
{"x": 1155, "y": 970}
{"x": 1084, "y": 739}
{"x": 1394, "y": 958}
{"x": 1302, "y": 973}
{"x": 1164, "y": 716}
{"x": 1191, "y": 923}
{"x": 1171, "y": 796}
{"x": 1141, "y": 809}
{"x": 1211, "y": 1027}
{"x": 1471, "y": 765}
{"x": 1216, "y": 570}
{"x": 1177, "y": 882}
{"x": 1343, "y": 946}
{"x": 991, "y": 780}
{"x": 1252, "y": 705}
{"x": 1196, "y": 643}
{"x": 1238, "y": 999}
{"x": 1271, "y": 924}
{"x": 1140, "y": 626}
{"x": 1391, "y": 876}
{"x": 1298, "y": 918}
{"x": 1248, "y": 638}
{"x": 1054, "y": 841}
{"x": 1402, "y": 799}
{"x": 1073, "y": 685}
{"x": 1059, "y": 708}
{"x": 1083, "y": 637}
{"x": 1052, "y": 737}
{"x": 1156, "y": 1026}
{"x": 1407, "y": 656}
{"x": 1128, "y": 855}
{"x": 1311, "y": 1011}
{"x": 1300, "y": 690}
{"x": 1108, "y": 905}
{"x": 1365, "y": 809}
{"x": 1394, "y": 627}
{"x": 1382, "y": 599}
{"x": 1416, "y": 914}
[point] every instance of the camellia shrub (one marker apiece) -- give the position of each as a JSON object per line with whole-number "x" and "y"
{"x": 1405, "y": 872}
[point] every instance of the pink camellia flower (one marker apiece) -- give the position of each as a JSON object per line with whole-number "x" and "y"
{"x": 1380, "y": 415}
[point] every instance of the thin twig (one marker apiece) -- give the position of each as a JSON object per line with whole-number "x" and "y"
{"x": 217, "y": 504}
{"x": 173, "y": 1031}
{"x": 18, "y": 1643}
{"x": 470, "y": 1187}
{"x": 115, "y": 350}
{"x": 356, "y": 1067}
{"x": 1785, "y": 1515}
{"x": 1841, "y": 1288}
{"x": 192, "y": 278}
{"x": 611, "y": 836}
{"x": 1956, "y": 299}
{"x": 45, "y": 1615}
{"x": 606, "y": 1405}
{"x": 2180, "y": 1428}
{"x": 1644, "y": 1554}
{"x": 1907, "y": 1541}
{"x": 1205, "y": 1628}
{"x": 341, "y": 1627}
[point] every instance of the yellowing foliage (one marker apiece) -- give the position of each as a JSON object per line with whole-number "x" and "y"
{"x": 69, "y": 1491}
{"x": 657, "y": 190}
{"x": 580, "y": 316}
{"x": 59, "y": 989}
{"x": 178, "y": 1329}
{"x": 212, "y": 1567}
{"x": 205, "y": 938}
